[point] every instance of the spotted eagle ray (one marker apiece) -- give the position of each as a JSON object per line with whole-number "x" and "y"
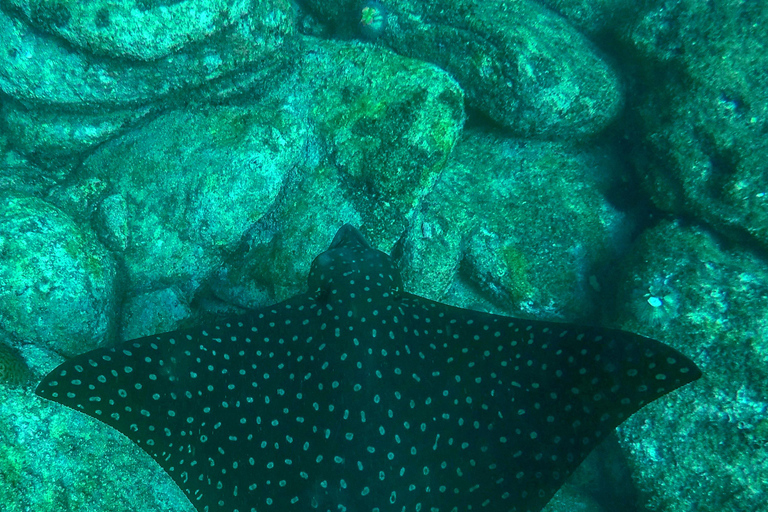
{"x": 357, "y": 396}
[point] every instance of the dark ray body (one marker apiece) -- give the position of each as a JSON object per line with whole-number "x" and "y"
{"x": 358, "y": 396}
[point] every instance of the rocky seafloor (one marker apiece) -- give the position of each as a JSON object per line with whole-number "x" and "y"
{"x": 585, "y": 161}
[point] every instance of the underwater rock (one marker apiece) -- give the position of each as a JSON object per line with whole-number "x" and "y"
{"x": 48, "y": 134}
{"x": 703, "y": 152}
{"x": 58, "y": 281}
{"x": 157, "y": 311}
{"x": 143, "y": 29}
{"x": 385, "y": 126}
{"x": 526, "y": 223}
{"x": 42, "y": 70}
{"x": 595, "y": 17}
{"x": 682, "y": 453}
{"x": 518, "y": 63}
{"x": 389, "y": 122}
{"x": 19, "y": 174}
{"x": 191, "y": 184}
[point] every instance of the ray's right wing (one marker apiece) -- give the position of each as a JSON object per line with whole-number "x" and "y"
{"x": 538, "y": 396}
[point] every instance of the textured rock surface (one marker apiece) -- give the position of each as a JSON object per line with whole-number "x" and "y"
{"x": 152, "y": 312}
{"x": 55, "y": 459}
{"x": 142, "y": 29}
{"x": 595, "y": 17}
{"x": 385, "y": 126}
{"x": 705, "y": 129}
{"x": 518, "y": 63}
{"x": 702, "y": 447}
{"x": 58, "y": 281}
{"x": 48, "y": 134}
{"x": 526, "y": 223}
{"x": 187, "y": 186}
{"x": 19, "y": 174}
{"x": 13, "y": 367}
{"x": 389, "y": 124}
{"x": 70, "y": 98}
{"x": 40, "y": 69}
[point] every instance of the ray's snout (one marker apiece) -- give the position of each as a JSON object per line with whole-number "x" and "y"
{"x": 348, "y": 236}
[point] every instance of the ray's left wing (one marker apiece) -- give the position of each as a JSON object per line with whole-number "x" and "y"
{"x": 205, "y": 403}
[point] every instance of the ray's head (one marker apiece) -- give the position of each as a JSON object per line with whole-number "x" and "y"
{"x": 351, "y": 269}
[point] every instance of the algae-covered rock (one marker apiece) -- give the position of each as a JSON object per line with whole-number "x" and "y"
{"x": 153, "y": 312}
{"x": 596, "y": 17}
{"x": 58, "y": 281}
{"x": 13, "y": 368}
{"x": 527, "y": 223}
{"x": 142, "y": 29}
{"x": 63, "y": 99}
{"x": 40, "y": 69}
{"x": 518, "y": 63}
{"x": 702, "y": 447}
{"x": 385, "y": 126}
{"x": 181, "y": 190}
{"x": 50, "y": 134}
{"x": 389, "y": 122}
{"x": 705, "y": 128}
{"x": 19, "y": 174}
{"x": 54, "y": 459}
